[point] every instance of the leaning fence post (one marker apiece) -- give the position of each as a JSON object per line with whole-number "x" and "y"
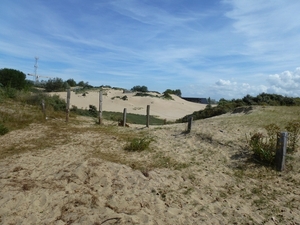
{"x": 148, "y": 116}
{"x": 124, "y": 117}
{"x": 100, "y": 107}
{"x": 68, "y": 105}
{"x": 190, "y": 120}
{"x": 281, "y": 151}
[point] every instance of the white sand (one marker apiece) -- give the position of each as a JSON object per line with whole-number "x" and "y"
{"x": 165, "y": 109}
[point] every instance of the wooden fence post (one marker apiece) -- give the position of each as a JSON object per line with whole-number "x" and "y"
{"x": 190, "y": 120}
{"x": 100, "y": 107}
{"x": 124, "y": 117}
{"x": 281, "y": 151}
{"x": 148, "y": 116}
{"x": 68, "y": 105}
{"x": 44, "y": 109}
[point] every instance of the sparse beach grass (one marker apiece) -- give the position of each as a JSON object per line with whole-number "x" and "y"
{"x": 209, "y": 173}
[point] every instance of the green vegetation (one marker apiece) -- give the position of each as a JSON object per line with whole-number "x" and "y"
{"x": 52, "y": 101}
{"x": 138, "y": 144}
{"x": 144, "y": 94}
{"x": 139, "y": 88}
{"x": 264, "y": 146}
{"x": 3, "y": 129}
{"x": 56, "y": 84}
{"x": 132, "y": 118}
{"x": 71, "y": 82}
{"x": 125, "y": 98}
{"x": 293, "y": 128}
{"x": 246, "y": 103}
{"x": 167, "y": 96}
{"x": 25, "y": 107}
{"x": 10, "y": 78}
{"x": 117, "y": 116}
{"x": 174, "y": 92}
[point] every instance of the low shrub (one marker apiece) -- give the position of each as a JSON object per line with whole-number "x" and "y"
{"x": 167, "y": 96}
{"x": 93, "y": 110}
{"x": 124, "y": 98}
{"x": 293, "y": 128}
{"x": 138, "y": 144}
{"x": 262, "y": 148}
{"x": 54, "y": 101}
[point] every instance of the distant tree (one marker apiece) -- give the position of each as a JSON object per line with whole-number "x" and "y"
{"x": 174, "y": 92}
{"x": 208, "y": 106}
{"x": 13, "y": 78}
{"x": 140, "y": 88}
{"x": 71, "y": 82}
{"x": 84, "y": 84}
{"x": 81, "y": 83}
{"x": 55, "y": 84}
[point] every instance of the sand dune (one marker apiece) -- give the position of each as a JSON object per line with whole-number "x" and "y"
{"x": 165, "y": 109}
{"x": 79, "y": 173}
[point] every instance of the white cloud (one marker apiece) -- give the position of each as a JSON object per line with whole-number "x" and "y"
{"x": 225, "y": 83}
{"x": 286, "y": 83}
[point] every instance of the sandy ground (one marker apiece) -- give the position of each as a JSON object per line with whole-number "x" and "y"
{"x": 165, "y": 109}
{"x": 79, "y": 173}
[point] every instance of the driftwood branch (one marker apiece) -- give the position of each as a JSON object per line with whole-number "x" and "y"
{"x": 115, "y": 218}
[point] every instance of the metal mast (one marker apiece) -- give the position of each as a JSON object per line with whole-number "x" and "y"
{"x": 35, "y": 70}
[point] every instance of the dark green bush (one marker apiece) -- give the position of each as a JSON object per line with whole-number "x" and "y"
{"x": 140, "y": 88}
{"x": 13, "y": 78}
{"x": 71, "y": 82}
{"x": 142, "y": 94}
{"x": 55, "y": 84}
{"x": 174, "y": 92}
{"x": 3, "y": 129}
{"x": 93, "y": 111}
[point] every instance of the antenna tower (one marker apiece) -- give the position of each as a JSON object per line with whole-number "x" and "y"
{"x": 35, "y": 69}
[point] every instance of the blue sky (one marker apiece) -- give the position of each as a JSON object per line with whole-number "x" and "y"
{"x": 216, "y": 48}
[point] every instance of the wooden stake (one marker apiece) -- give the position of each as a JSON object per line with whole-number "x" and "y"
{"x": 190, "y": 120}
{"x": 148, "y": 116}
{"x": 68, "y": 105}
{"x": 44, "y": 109}
{"x": 281, "y": 151}
{"x": 124, "y": 117}
{"x": 100, "y": 107}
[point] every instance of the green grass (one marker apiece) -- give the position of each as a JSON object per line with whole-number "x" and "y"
{"x": 132, "y": 118}
{"x": 262, "y": 116}
{"x": 138, "y": 144}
